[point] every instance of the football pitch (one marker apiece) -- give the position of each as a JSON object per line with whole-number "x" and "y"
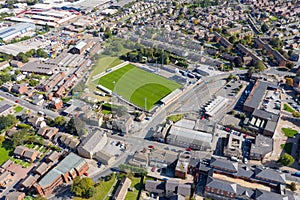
{"x": 135, "y": 84}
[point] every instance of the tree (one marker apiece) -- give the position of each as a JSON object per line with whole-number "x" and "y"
{"x": 7, "y": 121}
{"x": 293, "y": 186}
{"x": 289, "y": 65}
{"x": 222, "y": 49}
{"x": 71, "y": 126}
{"x": 238, "y": 62}
{"x": 30, "y": 53}
{"x": 107, "y": 33}
{"x": 47, "y": 28}
{"x": 232, "y": 39}
{"x": 248, "y": 39}
{"x": 76, "y": 126}
{"x": 289, "y": 81}
{"x": 33, "y": 82}
{"x": 2, "y": 138}
{"x": 224, "y": 31}
{"x": 18, "y": 138}
{"x": 22, "y": 57}
{"x": 83, "y": 187}
{"x": 286, "y": 159}
{"x": 260, "y": 66}
{"x": 60, "y": 121}
{"x": 276, "y": 43}
{"x": 5, "y": 77}
{"x": 229, "y": 78}
{"x": 17, "y": 72}
{"x": 264, "y": 27}
{"x": 41, "y": 53}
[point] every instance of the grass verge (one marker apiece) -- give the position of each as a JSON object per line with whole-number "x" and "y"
{"x": 18, "y": 109}
{"x": 287, "y": 108}
{"x": 289, "y": 132}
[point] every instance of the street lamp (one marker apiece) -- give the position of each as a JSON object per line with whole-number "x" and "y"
{"x": 114, "y": 82}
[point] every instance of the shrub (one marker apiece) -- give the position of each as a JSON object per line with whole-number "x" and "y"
{"x": 293, "y": 186}
{"x": 286, "y": 159}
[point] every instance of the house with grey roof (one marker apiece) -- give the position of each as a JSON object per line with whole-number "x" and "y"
{"x": 215, "y": 187}
{"x": 6, "y": 110}
{"x": 168, "y": 189}
{"x": 53, "y": 157}
{"x": 19, "y": 151}
{"x": 42, "y": 168}
{"x": 155, "y": 187}
{"x": 93, "y": 143}
{"x": 171, "y": 187}
{"x": 162, "y": 158}
{"x": 104, "y": 157}
{"x": 221, "y": 189}
{"x": 29, "y": 181}
{"x": 122, "y": 189}
{"x": 269, "y": 176}
{"x": 261, "y": 148}
{"x": 223, "y": 165}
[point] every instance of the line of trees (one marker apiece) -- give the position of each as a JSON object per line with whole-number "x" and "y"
{"x": 153, "y": 55}
{"x": 74, "y": 126}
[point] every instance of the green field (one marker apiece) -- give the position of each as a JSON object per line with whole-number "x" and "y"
{"x": 135, "y": 84}
{"x": 137, "y": 185}
{"x": 5, "y": 150}
{"x": 101, "y": 190}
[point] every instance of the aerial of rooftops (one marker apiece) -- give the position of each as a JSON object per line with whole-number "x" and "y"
{"x": 149, "y": 99}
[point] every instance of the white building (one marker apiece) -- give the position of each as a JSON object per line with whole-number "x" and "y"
{"x": 18, "y": 30}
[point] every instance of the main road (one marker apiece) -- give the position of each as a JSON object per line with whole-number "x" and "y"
{"x": 17, "y": 100}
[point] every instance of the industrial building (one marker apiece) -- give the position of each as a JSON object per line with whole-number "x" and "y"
{"x": 262, "y": 119}
{"x": 38, "y": 68}
{"x": 70, "y": 167}
{"x": 81, "y": 47}
{"x": 17, "y": 31}
{"x": 50, "y": 17}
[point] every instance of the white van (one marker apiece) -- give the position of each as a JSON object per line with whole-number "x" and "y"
{"x": 41, "y": 113}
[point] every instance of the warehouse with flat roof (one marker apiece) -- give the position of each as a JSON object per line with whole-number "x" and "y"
{"x": 18, "y": 30}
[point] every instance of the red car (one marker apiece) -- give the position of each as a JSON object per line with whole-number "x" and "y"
{"x": 86, "y": 174}
{"x": 188, "y": 149}
{"x": 17, "y": 101}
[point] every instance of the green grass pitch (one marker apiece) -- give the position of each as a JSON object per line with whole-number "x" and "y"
{"x": 135, "y": 84}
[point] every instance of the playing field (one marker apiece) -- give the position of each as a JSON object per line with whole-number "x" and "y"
{"x": 135, "y": 84}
